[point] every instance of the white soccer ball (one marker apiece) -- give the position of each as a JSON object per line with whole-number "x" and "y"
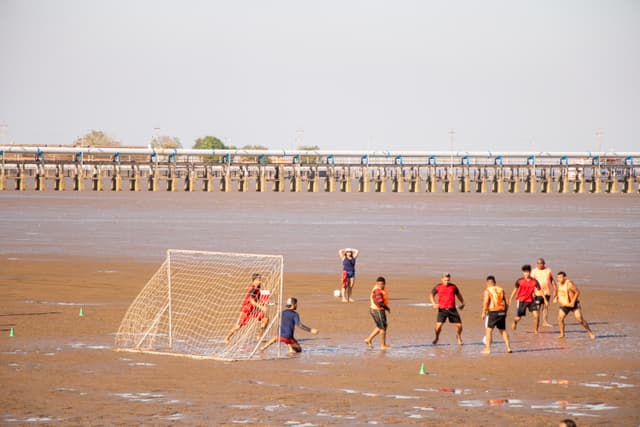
{"x": 336, "y": 293}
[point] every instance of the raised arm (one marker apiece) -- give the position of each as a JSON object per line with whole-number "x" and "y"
{"x": 355, "y": 253}
{"x": 341, "y": 253}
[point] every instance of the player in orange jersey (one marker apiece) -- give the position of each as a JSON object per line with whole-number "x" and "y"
{"x": 494, "y": 313}
{"x": 379, "y": 300}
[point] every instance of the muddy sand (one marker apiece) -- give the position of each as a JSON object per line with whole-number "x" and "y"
{"x": 60, "y": 369}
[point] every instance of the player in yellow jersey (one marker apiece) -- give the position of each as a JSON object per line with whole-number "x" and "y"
{"x": 567, "y": 295}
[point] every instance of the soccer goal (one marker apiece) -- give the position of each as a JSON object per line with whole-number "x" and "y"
{"x": 196, "y": 298}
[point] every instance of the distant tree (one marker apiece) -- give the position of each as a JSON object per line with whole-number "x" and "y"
{"x": 96, "y": 138}
{"x": 165, "y": 141}
{"x": 309, "y": 159}
{"x": 209, "y": 143}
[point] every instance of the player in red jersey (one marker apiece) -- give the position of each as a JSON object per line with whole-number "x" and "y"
{"x": 526, "y": 288}
{"x": 446, "y": 306}
{"x": 252, "y": 307}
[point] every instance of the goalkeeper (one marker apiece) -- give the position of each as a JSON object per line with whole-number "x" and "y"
{"x": 252, "y": 307}
{"x": 290, "y": 319}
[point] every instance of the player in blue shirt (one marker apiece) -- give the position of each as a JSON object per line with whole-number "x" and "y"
{"x": 290, "y": 319}
{"x": 348, "y": 257}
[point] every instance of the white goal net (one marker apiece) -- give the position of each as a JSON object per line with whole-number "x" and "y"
{"x": 198, "y": 304}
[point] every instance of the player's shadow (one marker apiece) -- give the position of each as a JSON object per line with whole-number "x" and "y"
{"x": 535, "y": 350}
{"x": 598, "y": 323}
{"x": 415, "y": 346}
{"x": 601, "y": 337}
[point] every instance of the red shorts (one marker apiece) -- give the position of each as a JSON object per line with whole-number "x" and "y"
{"x": 246, "y": 315}
{"x": 345, "y": 278}
{"x": 288, "y": 341}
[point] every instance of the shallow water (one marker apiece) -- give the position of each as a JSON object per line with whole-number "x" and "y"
{"x": 470, "y": 235}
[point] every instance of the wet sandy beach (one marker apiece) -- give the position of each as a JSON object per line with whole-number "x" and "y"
{"x": 60, "y": 369}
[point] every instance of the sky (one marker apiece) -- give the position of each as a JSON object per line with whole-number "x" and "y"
{"x": 510, "y": 75}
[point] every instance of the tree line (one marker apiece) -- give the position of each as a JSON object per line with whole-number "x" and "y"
{"x": 100, "y": 139}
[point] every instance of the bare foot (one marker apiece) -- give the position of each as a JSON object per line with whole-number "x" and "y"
{"x": 592, "y": 335}
{"x": 509, "y": 350}
{"x": 368, "y": 343}
{"x": 548, "y": 325}
{"x": 352, "y": 300}
{"x": 514, "y": 325}
{"x": 560, "y": 336}
{"x": 459, "y": 341}
{"x": 227, "y": 340}
{"x": 486, "y": 351}
{"x": 344, "y": 300}
{"x": 385, "y": 347}
{"x": 435, "y": 341}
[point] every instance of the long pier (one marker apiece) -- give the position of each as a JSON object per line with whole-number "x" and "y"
{"x": 146, "y": 169}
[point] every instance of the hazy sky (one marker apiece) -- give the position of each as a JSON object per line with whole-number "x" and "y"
{"x": 540, "y": 75}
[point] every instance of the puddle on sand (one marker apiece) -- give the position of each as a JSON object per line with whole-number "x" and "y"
{"x": 594, "y": 384}
{"x": 79, "y": 345}
{"x": 30, "y": 420}
{"x": 247, "y": 421}
{"x": 274, "y": 407}
{"x": 176, "y": 416}
{"x": 607, "y": 386}
{"x": 401, "y": 396}
{"x": 456, "y": 391}
{"x": 559, "y": 405}
{"x": 147, "y": 398}
{"x": 325, "y": 413}
{"x": 64, "y": 303}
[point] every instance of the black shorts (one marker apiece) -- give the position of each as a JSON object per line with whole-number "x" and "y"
{"x": 539, "y": 300}
{"x": 379, "y": 317}
{"x": 496, "y": 319}
{"x": 567, "y": 310}
{"x": 548, "y": 298}
{"x": 448, "y": 313}
{"x": 521, "y": 307}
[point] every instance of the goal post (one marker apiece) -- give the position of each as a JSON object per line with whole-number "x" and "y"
{"x": 197, "y": 298}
